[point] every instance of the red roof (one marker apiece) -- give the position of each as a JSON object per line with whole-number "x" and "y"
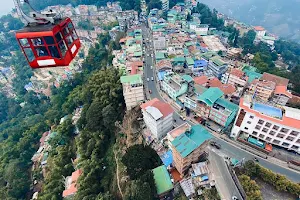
{"x": 214, "y": 82}
{"x": 227, "y": 89}
{"x": 237, "y": 72}
{"x": 276, "y": 79}
{"x": 72, "y": 189}
{"x": 201, "y": 80}
{"x": 259, "y": 28}
{"x": 282, "y": 90}
{"x": 163, "y": 107}
{"x": 42, "y": 140}
{"x": 134, "y": 70}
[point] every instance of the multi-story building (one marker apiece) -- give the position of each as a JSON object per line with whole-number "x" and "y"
{"x": 174, "y": 85}
{"x": 223, "y": 112}
{"x": 158, "y": 117}
{"x": 188, "y": 147}
{"x": 217, "y": 66}
{"x": 200, "y": 29}
{"x": 269, "y": 124}
{"x": 133, "y": 90}
{"x": 159, "y": 43}
{"x": 271, "y": 88}
{"x": 177, "y": 132}
{"x": 260, "y": 31}
{"x": 237, "y": 77}
{"x": 165, "y": 5}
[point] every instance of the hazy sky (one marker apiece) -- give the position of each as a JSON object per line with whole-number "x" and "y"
{"x": 6, "y": 6}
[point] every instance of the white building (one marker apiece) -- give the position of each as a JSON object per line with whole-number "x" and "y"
{"x": 158, "y": 117}
{"x": 159, "y": 42}
{"x": 165, "y": 5}
{"x": 274, "y": 125}
{"x": 260, "y": 31}
{"x": 133, "y": 90}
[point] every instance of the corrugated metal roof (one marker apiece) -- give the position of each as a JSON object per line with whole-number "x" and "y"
{"x": 162, "y": 180}
{"x": 211, "y": 95}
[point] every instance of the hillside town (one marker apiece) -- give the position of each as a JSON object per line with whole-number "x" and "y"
{"x": 192, "y": 96}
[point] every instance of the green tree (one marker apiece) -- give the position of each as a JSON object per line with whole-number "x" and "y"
{"x": 251, "y": 188}
{"x": 138, "y": 159}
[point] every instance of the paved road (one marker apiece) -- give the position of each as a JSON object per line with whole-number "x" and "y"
{"x": 229, "y": 149}
{"x": 224, "y": 182}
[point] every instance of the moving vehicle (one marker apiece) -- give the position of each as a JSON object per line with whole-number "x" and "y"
{"x": 47, "y": 40}
{"x": 150, "y": 91}
{"x": 152, "y": 78}
{"x": 182, "y": 117}
{"x": 255, "y": 159}
{"x": 151, "y": 67}
{"x": 148, "y": 79}
{"x": 215, "y": 144}
{"x": 234, "y": 198}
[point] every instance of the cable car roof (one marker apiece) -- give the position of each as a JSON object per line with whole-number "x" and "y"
{"x": 40, "y": 27}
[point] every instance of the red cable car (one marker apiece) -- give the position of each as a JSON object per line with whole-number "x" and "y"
{"x": 47, "y": 41}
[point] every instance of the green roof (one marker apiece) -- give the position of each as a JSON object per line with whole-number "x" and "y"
{"x": 132, "y": 79}
{"x": 188, "y": 44}
{"x": 186, "y": 51}
{"x": 252, "y": 75}
{"x": 187, "y": 78}
{"x": 187, "y": 142}
{"x": 159, "y": 55}
{"x": 137, "y": 53}
{"x": 179, "y": 59}
{"x": 211, "y": 95}
{"x": 227, "y": 104}
{"x": 269, "y": 38}
{"x": 208, "y": 55}
{"x": 162, "y": 180}
{"x": 217, "y": 61}
{"x": 190, "y": 61}
{"x": 250, "y": 68}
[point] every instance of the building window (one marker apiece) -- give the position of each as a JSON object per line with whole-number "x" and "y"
{"x": 272, "y": 133}
{"x": 268, "y": 139}
{"x": 251, "y": 117}
{"x": 284, "y": 130}
{"x": 275, "y": 127}
{"x": 279, "y": 135}
{"x": 254, "y": 133}
{"x": 261, "y": 135}
{"x": 295, "y": 147}
{"x": 248, "y": 122}
{"x": 257, "y": 127}
{"x": 268, "y": 124}
{"x": 261, "y": 122}
{"x": 276, "y": 141}
{"x": 265, "y": 130}
{"x": 285, "y": 144}
{"x": 294, "y": 133}
{"x": 289, "y": 138}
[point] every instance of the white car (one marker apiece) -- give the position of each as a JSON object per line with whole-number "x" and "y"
{"x": 148, "y": 79}
{"x": 151, "y": 67}
{"x": 152, "y": 55}
{"x": 152, "y": 78}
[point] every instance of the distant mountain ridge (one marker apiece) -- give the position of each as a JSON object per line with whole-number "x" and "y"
{"x": 280, "y": 17}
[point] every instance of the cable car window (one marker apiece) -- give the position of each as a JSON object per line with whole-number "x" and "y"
{"x": 63, "y": 48}
{"x": 37, "y": 41}
{"x": 70, "y": 26}
{"x": 74, "y": 35}
{"x": 24, "y": 42}
{"x": 65, "y": 31}
{"x": 58, "y": 37}
{"x": 41, "y": 51}
{"x": 69, "y": 40}
{"x": 49, "y": 40}
{"x": 54, "y": 51}
{"x": 29, "y": 54}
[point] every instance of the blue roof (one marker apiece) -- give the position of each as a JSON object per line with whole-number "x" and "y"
{"x": 161, "y": 75}
{"x": 187, "y": 142}
{"x": 167, "y": 158}
{"x": 200, "y": 63}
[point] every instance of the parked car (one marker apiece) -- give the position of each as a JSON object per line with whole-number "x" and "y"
{"x": 152, "y": 78}
{"x": 215, "y": 144}
{"x": 148, "y": 79}
{"x": 182, "y": 117}
{"x": 151, "y": 67}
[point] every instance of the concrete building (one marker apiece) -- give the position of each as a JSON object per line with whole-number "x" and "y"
{"x": 133, "y": 90}
{"x": 174, "y": 85}
{"x": 189, "y": 146}
{"x": 159, "y": 43}
{"x": 200, "y": 29}
{"x": 165, "y": 5}
{"x": 158, "y": 117}
{"x": 237, "y": 77}
{"x": 268, "y": 124}
{"x": 260, "y": 31}
{"x": 217, "y": 66}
